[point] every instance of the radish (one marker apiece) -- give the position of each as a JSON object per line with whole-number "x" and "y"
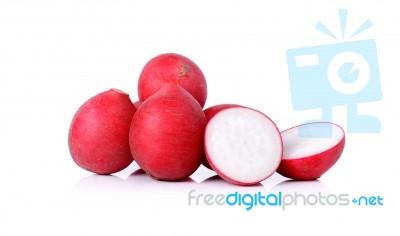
{"x": 172, "y": 67}
{"x": 210, "y": 112}
{"x": 166, "y": 135}
{"x": 137, "y": 104}
{"x": 242, "y": 145}
{"x": 306, "y": 158}
{"x": 98, "y": 137}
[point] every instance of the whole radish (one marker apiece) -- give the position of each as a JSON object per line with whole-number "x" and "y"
{"x": 166, "y": 135}
{"x": 171, "y": 67}
{"x": 98, "y": 137}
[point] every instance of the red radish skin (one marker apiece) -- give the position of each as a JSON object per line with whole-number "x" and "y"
{"x": 98, "y": 137}
{"x": 243, "y": 145}
{"x": 172, "y": 67}
{"x": 210, "y": 112}
{"x": 137, "y": 104}
{"x": 166, "y": 137}
{"x": 313, "y": 164}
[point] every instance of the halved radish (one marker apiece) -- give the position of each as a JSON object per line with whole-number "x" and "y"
{"x": 210, "y": 113}
{"x": 306, "y": 158}
{"x": 243, "y": 145}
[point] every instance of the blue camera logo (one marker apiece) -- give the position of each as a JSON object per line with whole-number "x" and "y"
{"x": 345, "y": 73}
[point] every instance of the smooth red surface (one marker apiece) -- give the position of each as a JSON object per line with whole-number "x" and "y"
{"x": 166, "y": 136}
{"x": 137, "y": 104}
{"x": 172, "y": 67}
{"x": 99, "y": 133}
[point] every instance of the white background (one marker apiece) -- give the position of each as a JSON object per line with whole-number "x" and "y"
{"x": 54, "y": 55}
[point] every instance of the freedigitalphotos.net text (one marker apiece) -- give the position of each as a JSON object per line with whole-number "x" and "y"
{"x": 279, "y": 199}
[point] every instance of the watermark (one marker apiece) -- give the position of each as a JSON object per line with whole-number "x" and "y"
{"x": 343, "y": 73}
{"x": 280, "y": 200}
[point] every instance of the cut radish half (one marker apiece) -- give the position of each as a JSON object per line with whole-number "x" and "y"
{"x": 243, "y": 145}
{"x": 309, "y": 158}
{"x": 210, "y": 113}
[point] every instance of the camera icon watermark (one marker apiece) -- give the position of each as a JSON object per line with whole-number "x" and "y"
{"x": 344, "y": 73}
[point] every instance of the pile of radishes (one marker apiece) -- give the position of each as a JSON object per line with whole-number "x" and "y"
{"x": 169, "y": 135}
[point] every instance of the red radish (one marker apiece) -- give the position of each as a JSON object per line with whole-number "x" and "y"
{"x": 308, "y": 158}
{"x": 137, "y": 104}
{"x": 172, "y": 67}
{"x": 243, "y": 145}
{"x": 210, "y": 112}
{"x": 99, "y": 133}
{"x": 166, "y": 136}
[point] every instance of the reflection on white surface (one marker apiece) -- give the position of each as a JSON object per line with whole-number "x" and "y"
{"x": 140, "y": 176}
{"x": 203, "y": 181}
{"x": 290, "y": 186}
{"x": 138, "y": 180}
{"x": 216, "y": 183}
{"x": 99, "y": 182}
